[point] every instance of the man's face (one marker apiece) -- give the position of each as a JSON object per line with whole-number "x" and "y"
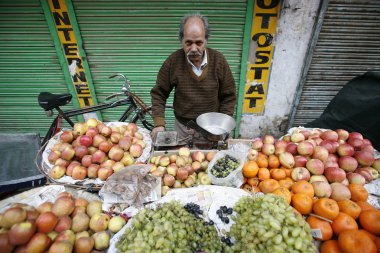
{"x": 194, "y": 39}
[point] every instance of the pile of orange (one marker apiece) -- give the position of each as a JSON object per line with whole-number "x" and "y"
{"x": 344, "y": 226}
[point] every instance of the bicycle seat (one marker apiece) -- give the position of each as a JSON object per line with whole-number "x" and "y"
{"x": 49, "y": 101}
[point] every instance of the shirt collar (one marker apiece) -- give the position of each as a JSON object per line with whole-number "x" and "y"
{"x": 204, "y": 61}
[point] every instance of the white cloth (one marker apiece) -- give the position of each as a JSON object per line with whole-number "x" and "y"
{"x": 198, "y": 71}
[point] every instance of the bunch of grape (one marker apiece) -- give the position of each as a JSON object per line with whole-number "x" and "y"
{"x": 224, "y": 166}
{"x": 268, "y": 224}
{"x": 169, "y": 228}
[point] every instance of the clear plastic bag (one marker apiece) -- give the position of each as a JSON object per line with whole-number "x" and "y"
{"x": 132, "y": 185}
{"x": 235, "y": 178}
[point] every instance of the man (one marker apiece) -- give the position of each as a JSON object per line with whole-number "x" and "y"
{"x": 201, "y": 78}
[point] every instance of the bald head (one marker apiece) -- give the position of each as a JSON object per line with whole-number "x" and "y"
{"x": 194, "y": 18}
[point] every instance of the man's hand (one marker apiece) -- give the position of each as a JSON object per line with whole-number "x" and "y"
{"x": 155, "y": 130}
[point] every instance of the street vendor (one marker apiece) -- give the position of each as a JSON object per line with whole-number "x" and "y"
{"x": 201, "y": 78}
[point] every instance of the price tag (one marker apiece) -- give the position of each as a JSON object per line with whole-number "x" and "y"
{"x": 316, "y": 233}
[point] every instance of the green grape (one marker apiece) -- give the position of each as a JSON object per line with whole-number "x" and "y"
{"x": 160, "y": 230}
{"x": 267, "y": 224}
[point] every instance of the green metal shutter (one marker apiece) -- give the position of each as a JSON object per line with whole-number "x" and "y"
{"x": 135, "y": 37}
{"x": 348, "y": 46}
{"x": 28, "y": 65}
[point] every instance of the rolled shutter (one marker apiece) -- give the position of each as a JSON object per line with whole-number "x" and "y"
{"x": 135, "y": 37}
{"x": 29, "y": 65}
{"x": 348, "y": 45}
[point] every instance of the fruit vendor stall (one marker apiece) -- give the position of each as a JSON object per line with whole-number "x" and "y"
{"x": 312, "y": 190}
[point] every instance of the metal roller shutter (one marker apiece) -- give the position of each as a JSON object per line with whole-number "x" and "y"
{"x": 135, "y": 37}
{"x": 348, "y": 46}
{"x": 28, "y": 65}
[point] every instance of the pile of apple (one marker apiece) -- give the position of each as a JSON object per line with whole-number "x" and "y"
{"x": 330, "y": 160}
{"x": 61, "y": 226}
{"x": 183, "y": 169}
{"x": 95, "y": 150}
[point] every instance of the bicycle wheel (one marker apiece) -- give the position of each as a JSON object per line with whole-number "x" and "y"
{"x": 146, "y": 119}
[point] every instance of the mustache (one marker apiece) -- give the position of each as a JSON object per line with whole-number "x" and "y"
{"x": 194, "y": 54}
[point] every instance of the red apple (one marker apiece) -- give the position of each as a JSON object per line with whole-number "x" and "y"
{"x": 105, "y": 146}
{"x": 342, "y": 134}
{"x": 364, "y": 158}
{"x": 348, "y": 163}
{"x": 67, "y": 136}
{"x": 321, "y": 153}
{"x": 300, "y": 161}
{"x": 355, "y": 142}
{"x": 97, "y": 139}
{"x": 322, "y": 189}
{"x": 291, "y": 148}
{"x": 99, "y": 157}
{"x": 300, "y": 173}
{"x": 38, "y": 243}
{"x": 340, "y": 192}
{"x": 268, "y": 139}
{"x": 305, "y": 148}
{"x": 21, "y": 233}
{"x": 257, "y": 144}
{"x": 92, "y": 170}
{"x": 104, "y": 173}
{"x": 329, "y": 135}
{"x": 356, "y": 135}
{"x": 355, "y": 178}
{"x": 79, "y": 172}
{"x": 345, "y": 150}
{"x": 46, "y": 222}
{"x": 335, "y": 174}
{"x": 315, "y": 166}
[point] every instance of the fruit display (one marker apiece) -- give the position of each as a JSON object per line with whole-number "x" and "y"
{"x": 95, "y": 150}
{"x": 268, "y": 224}
{"x": 321, "y": 174}
{"x": 170, "y": 228}
{"x": 181, "y": 169}
{"x": 64, "y": 225}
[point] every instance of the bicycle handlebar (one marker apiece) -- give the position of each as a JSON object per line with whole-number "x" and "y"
{"x": 127, "y": 82}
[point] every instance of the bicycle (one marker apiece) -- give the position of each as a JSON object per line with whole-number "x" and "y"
{"x": 136, "y": 111}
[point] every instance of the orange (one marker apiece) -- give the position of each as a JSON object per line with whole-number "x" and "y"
{"x": 250, "y": 169}
{"x": 330, "y": 246}
{"x": 358, "y": 192}
{"x": 372, "y": 236}
{"x": 253, "y": 181}
{"x": 326, "y": 208}
{"x": 365, "y": 206}
{"x": 283, "y": 192}
{"x": 264, "y": 174}
{"x": 287, "y": 183}
{"x": 370, "y": 221}
{"x": 304, "y": 187}
{"x": 288, "y": 172}
{"x": 268, "y": 185}
{"x": 302, "y": 203}
{"x": 262, "y": 160}
{"x": 323, "y": 226}
{"x": 273, "y": 161}
{"x": 355, "y": 241}
{"x": 343, "y": 222}
{"x": 277, "y": 174}
{"x": 349, "y": 207}
{"x": 377, "y": 242}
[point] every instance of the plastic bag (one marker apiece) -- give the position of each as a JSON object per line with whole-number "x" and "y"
{"x": 132, "y": 185}
{"x": 235, "y": 178}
